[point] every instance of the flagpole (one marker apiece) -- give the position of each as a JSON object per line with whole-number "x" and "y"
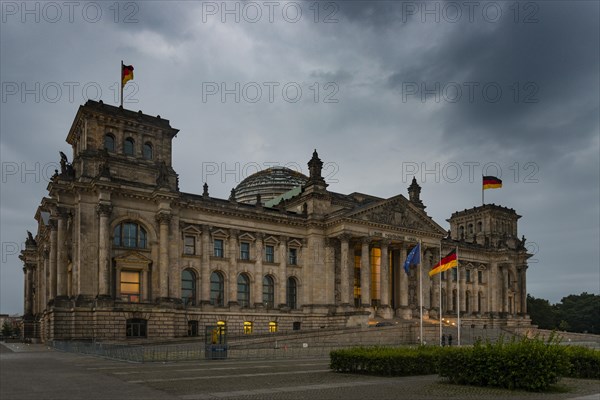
{"x": 121, "y": 82}
{"x": 440, "y": 295}
{"x": 421, "y": 291}
{"x": 482, "y": 199}
{"x": 458, "y": 294}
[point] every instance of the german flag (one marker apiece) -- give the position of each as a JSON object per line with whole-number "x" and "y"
{"x": 491, "y": 182}
{"x": 450, "y": 261}
{"x": 126, "y": 74}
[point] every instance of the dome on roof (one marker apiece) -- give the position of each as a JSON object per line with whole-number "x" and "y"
{"x": 270, "y": 183}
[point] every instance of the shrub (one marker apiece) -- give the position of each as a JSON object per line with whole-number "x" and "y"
{"x": 386, "y": 361}
{"x": 585, "y": 363}
{"x": 529, "y": 364}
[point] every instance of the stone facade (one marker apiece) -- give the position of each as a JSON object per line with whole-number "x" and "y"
{"x": 120, "y": 252}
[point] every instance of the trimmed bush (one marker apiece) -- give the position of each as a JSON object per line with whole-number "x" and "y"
{"x": 386, "y": 361}
{"x": 585, "y": 363}
{"x": 529, "y": 364}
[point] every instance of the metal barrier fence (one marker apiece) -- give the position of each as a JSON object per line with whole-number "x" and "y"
{"x": 190, "y": 351}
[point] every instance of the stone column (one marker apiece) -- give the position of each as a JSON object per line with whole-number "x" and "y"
{"x": 384, "y": 283}
{"x": 232, "y": 270}
{"x": 463, "y": 290}
{"x": 403, "y": 278}
{"x": 344, "y": 269}
{"x": 205, "y": 267}
{"x": 45, "y": 279}
{"x": 53, "y": 260}
{"x": 475, "y": 304}
{"x": 505, "y": 278}
{"x": 28, "y": 270}
{"x": 61, "y": 255}
{"x": 258, "y": 271}
{"x": 104, "y": 211}
{"x": 283, "y": 259}
{"x": 163, "y": 218}
{"x": 493, "y": 288}
{"x": 449, "y": 289}
{"x": 523, "y": 289}
{"x": 327, "y": 293}
{"x": 365, "y": 273}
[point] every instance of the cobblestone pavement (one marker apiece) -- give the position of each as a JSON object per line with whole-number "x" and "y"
{"x": 46, "y": 374}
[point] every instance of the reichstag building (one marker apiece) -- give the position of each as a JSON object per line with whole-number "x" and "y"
{"x": 120, "y": 252}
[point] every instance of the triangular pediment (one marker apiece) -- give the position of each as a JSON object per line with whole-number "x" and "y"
{"x": 133, "y": 257}
{"x": 398, "y": 212}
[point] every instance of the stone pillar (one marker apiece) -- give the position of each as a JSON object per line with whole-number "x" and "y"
{"x": 163, "y": 218}
{"x": 449, "y": 289}
{"x": 45, "y": 279}
{"x": 403, "y": 278}
{"x": 463, "y": 290}
{"x": 104, "y": 211}
{"x": 232, "y": 270}
{"x": 523, "y": 289}
{"x": 28, "y": 270}
{"x": 327, "y": 292}
{"x": 384, "y": 283}
{"x": 258, "y": 271}
{"x": 365, "y": 273}
{"x": 283, "y": 259}
{"x": 475, "y": 303}
{"x": 53, "y": 254}
{"x": 505, "y": 279}
{"x": 492, "y": 288}
{"x": 345, "y": 269}
{"x": 205, "y": 266}
{"x": 61, "y": 255}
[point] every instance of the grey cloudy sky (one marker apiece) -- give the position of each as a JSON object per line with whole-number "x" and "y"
{"x": 383, "y": 90}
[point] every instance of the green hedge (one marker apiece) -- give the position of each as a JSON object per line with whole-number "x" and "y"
{"x": 529, "y": 364}
{"x": 585, "y": 363}
{"x": 386, "y": 361}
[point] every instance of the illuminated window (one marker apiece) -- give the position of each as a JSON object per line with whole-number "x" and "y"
{"x": 218, "y": 248}
{"x": 128, "y": 146}
{"x": 189, "y": 245}
{"x": 357, "y": 281}
{"x": 270, "y": 254}
{"x": 268, "y": 292}
{"x": 130, "y": 286}
{"x": 243, "y": 292}
{"x": 272, "y": 327}
{"x": 375, "y": 275}
{"x": 188, "y": 287}
{"x": 136, "y": 327}
{"x": 293, "y": 256}
{"x": 245, "y": 251}
{"x": 247, "y": 327}
{"x": 131, "y": 235}
{"x": 109, "y": 142}
{"x": 216, "y": 289}
{"x": 148, "y": 151}
{"x": 292, "y": 293}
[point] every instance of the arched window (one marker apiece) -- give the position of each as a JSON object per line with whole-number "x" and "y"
{"x": 243, "y": 290}
{"x": 109, "y": 142}
{"x": 292, "y": 293}
{"x": 148, "y": 151}
{"x": 268, "y": 292}
{"x": 479, "y": 226}
{"x": 188, "y": 287}
{"x": 470, "y": 229}
{"x": 217, "y": 289}
{"x": 128, "y": 146}
{"x": 131, "y": 235}
{"x": 272, "y": 327}
{"x": 461, "y": 232}
{"x": 247, "y": 327}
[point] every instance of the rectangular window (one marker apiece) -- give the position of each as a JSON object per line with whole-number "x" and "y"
{"x": 130, "y": 286}
{"x": 443, "y": 275}
{"x": 480, "y": 276}
{"x": 245, "y": 251}
{"x": 247, "y": 327}
{"x": 468, "y": 272}
{"x": 270, "y": 254}
{"x": 192, "y": 328}
{"x": 272, "y": 327}
{"x": 293, "y": 256}
{"x": 454, "y": 274}
{"x": 189, "y": 245}
{"x": 218, "y": 248}
{"x": 136, "y": 327}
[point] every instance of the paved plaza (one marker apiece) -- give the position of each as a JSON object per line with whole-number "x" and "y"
{"x": 37, "y": 372}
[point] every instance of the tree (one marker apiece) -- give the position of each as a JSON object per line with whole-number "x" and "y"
{"x": 580, "y": 312}
{"x": 542, "y": 313}
{"x": 6, "y": 329}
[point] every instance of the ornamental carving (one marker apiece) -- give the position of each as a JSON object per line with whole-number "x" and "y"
{"x": 394, "y": 213}
{"x": 104, "y": 210}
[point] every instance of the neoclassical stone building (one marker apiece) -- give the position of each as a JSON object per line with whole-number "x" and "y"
{"x": 121, "y": 252}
